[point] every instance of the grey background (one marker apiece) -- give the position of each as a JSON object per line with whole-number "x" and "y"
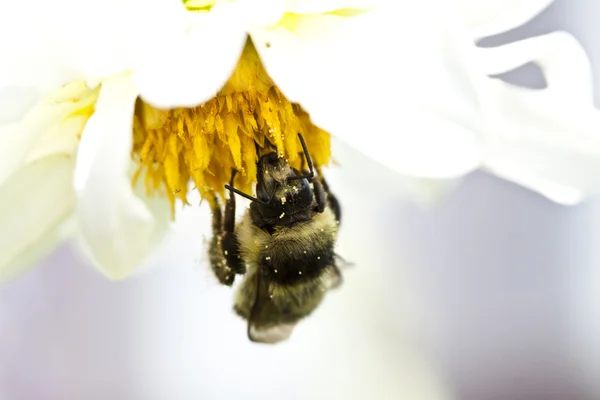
{"x": 496, "y": 284}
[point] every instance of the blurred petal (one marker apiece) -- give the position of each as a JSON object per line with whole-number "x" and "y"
{"x": 547, "y": 140}
{"x": 16, "y": 101}
{"x": 34, "y": 203}
{"x": 557, "y": 193}
{"x": 203, "y": 50}
{"x": 63, "y": 40}
{"x": 324, "y": 6}
{"x": 31, "y": 257}
{"x": 354, "y": 163}
{"x": 198, "y": 3}
{"x": 28, "y": 57}
{"x": 16, "y": 142}
{"x": 261, "y": 13}
{"x": 550, "y": 144}
{"x": 490, "y": 17}
{"x": 419, "y": 102}
{"x": 561, "y": 57}
{"x": 306, "y": 45}
{"x": 94, "y": 39}
{"x": 119, "y": 228}
{"x": 51, "y": 127}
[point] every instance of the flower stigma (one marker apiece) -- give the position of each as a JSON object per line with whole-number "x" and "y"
{"x": 249, "y": 116}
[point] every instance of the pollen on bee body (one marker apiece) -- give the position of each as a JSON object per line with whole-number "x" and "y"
{"x": 229, "y": 132}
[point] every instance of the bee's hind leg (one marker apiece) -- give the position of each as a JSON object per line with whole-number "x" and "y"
{"x": 218, "y": 263}
{"x": 230, "y": 244}
{"x": 224, "y": 252}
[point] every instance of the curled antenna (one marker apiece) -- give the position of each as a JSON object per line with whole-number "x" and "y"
{"x": 311, "y": 172}
{"x": 247, "y": 196}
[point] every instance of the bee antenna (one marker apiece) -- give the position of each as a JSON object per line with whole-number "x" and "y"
{"x": 247, "y": 196}
{"x": 311, "y": 173}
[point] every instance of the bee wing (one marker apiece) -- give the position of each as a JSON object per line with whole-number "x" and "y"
{"x": 270, "y": 334}
{"x": 272, "y": 316}
{"x": 265, "y": 324}
{"x": 332, "y": 278}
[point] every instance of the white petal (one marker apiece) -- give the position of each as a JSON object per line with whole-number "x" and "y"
{"x": 28, "y": 58}
{"x": 44, "y": 247}
{"x": 67, "y": 39}
{"x": 262, "y": 12}
{"x": 413, "y": 142}
{"x": 15, "y": 102}
{"x": 299, "y": 53}
{"x": 34, "y": 203}
{"x": 198, "y": 3}
{"x": 323, "y": 6}
{"x": 557, "y": 193}
{"x": 118, "y": 227}
{"x": 561, "y": 57}
{"x": 187, "y": 65}
{"x": 51, "y": 127}
{"x": 489, "y": 17}
{"x": 355, "y": 166}
{"x": 16, "y": 142}
{"x": 549, "y": 144}
{"x": 412, "y": 105}
{"x": 547, "y": 140}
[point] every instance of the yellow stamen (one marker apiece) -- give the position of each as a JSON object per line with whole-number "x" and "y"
{"x": 205, "y": 143}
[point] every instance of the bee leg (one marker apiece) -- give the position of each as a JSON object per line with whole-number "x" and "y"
{"x": 229, "y": 243}
{"x": 218, "y": 262}
{"x": 319, "y": 195}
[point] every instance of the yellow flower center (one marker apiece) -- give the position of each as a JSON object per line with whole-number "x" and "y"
{"x": 249, "y": 116}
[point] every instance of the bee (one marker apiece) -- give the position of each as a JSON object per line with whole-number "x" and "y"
{"x": 283, "y": 245}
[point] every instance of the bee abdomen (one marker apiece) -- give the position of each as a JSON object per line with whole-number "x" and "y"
{"x": 296, "y": 266}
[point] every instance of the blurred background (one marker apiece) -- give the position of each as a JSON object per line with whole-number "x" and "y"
{"x": 491, "y": 294}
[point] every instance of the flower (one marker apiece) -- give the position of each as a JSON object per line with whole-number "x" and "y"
{"x": 215, "y": 106}
{"x": 185, "y": 93}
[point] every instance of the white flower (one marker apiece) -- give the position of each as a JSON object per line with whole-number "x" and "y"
{"x": 172, "y": 57}
{"x": 405, "y": 85}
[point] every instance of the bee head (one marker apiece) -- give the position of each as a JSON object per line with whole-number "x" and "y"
{"x": 281, "y": 186}
{"x": 283, "y": 195}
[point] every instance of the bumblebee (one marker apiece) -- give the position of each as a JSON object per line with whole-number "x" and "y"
{"x": 283, "y": 245}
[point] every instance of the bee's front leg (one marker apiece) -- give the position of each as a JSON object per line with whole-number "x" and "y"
{"x": 224, "y": 253}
